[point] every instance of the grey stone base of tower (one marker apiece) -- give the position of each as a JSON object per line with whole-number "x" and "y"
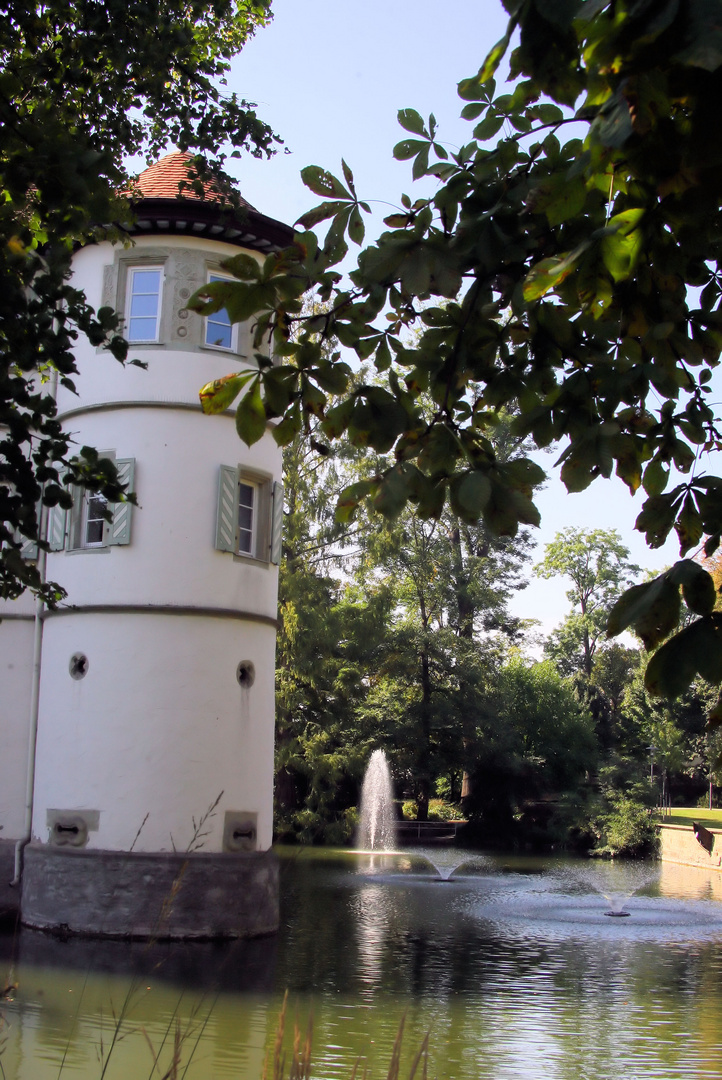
{"x": 9, "y": 895}
{"x": 150, "y": 895}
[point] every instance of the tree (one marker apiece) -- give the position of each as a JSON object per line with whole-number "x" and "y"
{"x": 330, "y": 636}
{"x": 676, "y": 731}
{"x": 84, "y": 84}
{"x": 325, "y": 646}
{"x": 389, "y": 637}
{"x": 449, "y": 588}
{"x": 601, "y": 253}
{"x": 597, "y": 564}
{"x": 451, "y": 582}
{"x": 612, "y": 672}
{"x": 554, "y": 730}
{"x": 535, "y": 745}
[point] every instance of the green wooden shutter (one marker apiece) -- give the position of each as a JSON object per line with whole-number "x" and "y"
{"x": 277, "y": 523}
{"x": 29, "y": 548}
{"x": 227, "y": 514}
{"x": 118, "y": 531}
{"x": 57, "y": 527}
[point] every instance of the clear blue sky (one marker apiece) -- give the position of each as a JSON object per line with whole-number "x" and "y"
{"x": 330, "y": 76}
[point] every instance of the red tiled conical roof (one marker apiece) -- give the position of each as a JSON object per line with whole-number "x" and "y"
{"x": 164, "y": 205}
{"x": 164, "y": 178}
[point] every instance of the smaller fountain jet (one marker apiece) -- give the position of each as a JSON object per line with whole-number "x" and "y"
{"x": 636, "y": 879}
{"x": 446, "y": 862}
{"x": 617, "y": 885}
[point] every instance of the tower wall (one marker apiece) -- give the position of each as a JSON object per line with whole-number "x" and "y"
{"x": 16, "y": 665}
{"x": 148, "y": 743}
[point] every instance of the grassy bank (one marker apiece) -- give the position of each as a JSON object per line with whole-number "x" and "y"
{"x": 685, "y": 815}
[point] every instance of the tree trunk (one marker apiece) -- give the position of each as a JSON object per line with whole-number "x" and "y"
{"x": 424, "y": 780}
{"x": 466, "y": 613}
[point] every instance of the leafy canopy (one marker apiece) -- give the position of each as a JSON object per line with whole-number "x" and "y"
{"x": 566, "y": 269}
{"x": 596, "y": 562}
{"x": 83, "y": 85}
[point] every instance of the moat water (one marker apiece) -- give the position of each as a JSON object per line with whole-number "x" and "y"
{"x": 511, "y": 965}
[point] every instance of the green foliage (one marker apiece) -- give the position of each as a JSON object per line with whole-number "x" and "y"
{"x": 535, "y": 747}
{"x": 653, "y": 611}
{"x": 400, "y": 651}
{"x": 324, "y": 644}
{"x": 574, "y": 279}
{"x": 553, "y": 731}
{"x": 83, "y": 86}
{"x": 329, "y": 636}
{"x": 438, "y": 810}
{"x": 597, "y": 564}
{"x": 684, "y": 745}
{"x": 451, "y": 582}
{"x": 626, "y": 828}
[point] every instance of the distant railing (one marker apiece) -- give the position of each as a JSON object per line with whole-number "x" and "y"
{"x": 422, "y": 832}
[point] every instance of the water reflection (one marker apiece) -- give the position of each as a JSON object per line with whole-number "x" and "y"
{"x": 511, "y": 964}
{"x": 374, "y": 914}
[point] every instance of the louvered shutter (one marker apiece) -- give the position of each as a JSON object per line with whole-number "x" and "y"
{"x": 277, "y": 524}
{"x": 118, "y": 531}
{"x": 29, "y": 550}
{"x": 57, "y": 527}
{"x": 227, "y": 515}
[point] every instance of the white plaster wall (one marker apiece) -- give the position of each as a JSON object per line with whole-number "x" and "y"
{"x": 16, "y": 654}
{"x": 159, "y": 726}
{"x": 171, "y": 558}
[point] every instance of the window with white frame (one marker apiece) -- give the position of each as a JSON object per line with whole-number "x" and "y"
{"x": 250, "y": 515}
{"x": 247, "y": 517}
{"x": 86, "y": 526}
{"x": 92, "y": 525}
{"x": 143, "y": 308}
{"x": 220, "y": 333}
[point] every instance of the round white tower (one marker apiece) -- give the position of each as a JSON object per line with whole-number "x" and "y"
{"x": 152, "y": 808}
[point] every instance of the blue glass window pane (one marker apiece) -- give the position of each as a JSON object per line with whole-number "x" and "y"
{"x": 219, "y": 331}
{"x": 146, "y": 281}
{"x": 141, "y": 330}
{"x": 144, "y": 304}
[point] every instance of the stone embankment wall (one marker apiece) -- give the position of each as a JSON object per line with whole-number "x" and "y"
{"x": 688, "y": 846}
{"x": 9, "y": 896}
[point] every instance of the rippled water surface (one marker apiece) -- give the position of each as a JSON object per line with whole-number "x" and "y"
{"x": 513, "y": 965}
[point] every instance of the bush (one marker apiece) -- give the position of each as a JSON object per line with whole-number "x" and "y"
{"x": 703, "y": 801}
{"x": 439, "y": 810}
{"x": 307, "y": 826}
{"x": 626, "y": 828}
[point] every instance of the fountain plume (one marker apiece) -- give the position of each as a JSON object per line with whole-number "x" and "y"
{"x": 377, "y": 830}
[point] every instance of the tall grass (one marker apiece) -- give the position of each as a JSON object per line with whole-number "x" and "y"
{"x": 297, "y": 1065}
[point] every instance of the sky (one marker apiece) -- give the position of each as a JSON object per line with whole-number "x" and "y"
{"x": 330, "y": 77}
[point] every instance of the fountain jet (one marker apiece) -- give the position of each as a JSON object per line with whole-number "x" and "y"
{"x": 377, "y": 831}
